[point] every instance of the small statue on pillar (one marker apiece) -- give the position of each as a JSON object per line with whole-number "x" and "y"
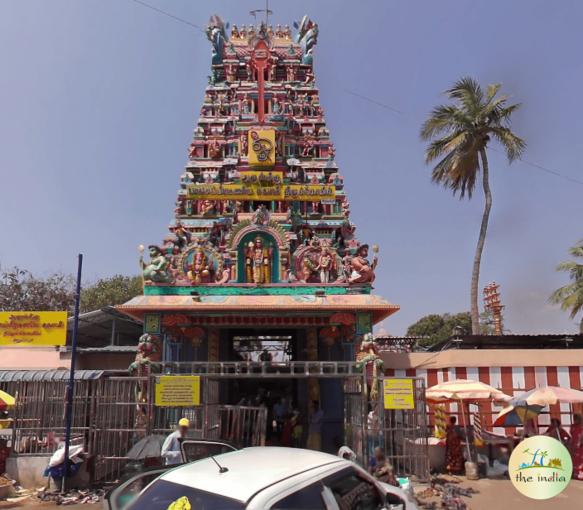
{"x": 369, "y": 361}
{"x": 148, "y": 352}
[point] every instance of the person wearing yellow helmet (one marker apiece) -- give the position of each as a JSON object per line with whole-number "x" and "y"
{"x": 171, "y": 448}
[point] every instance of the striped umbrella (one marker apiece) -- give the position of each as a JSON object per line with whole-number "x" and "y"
{"x": 6, "y": 400}
{"x": 513, "y": 416}
{"x": 547, "y": 395}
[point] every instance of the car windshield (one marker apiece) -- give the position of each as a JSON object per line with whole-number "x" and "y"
{"x": 164, "y": 495}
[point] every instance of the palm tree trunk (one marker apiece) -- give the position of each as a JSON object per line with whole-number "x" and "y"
{"x": 475, "y": 311}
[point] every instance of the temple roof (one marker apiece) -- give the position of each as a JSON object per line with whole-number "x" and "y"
{"x": 379, "y": 307}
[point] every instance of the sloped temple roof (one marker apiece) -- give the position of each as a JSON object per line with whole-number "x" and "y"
{"x": 379, "y": 307}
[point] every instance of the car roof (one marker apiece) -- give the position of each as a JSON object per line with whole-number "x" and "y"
{"x": 250, "y": 470}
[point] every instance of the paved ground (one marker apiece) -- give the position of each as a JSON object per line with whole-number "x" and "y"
{"x": 501, "y": 495}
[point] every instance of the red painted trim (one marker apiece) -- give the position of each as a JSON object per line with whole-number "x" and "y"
{"x": 431, "y": 377}
{"x": 553, "y": 380}
{"x": 461, "y": 373}
{"x": 575, "y": 378}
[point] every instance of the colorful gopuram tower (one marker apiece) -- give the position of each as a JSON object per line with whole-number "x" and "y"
{"x": 262, "y": 241}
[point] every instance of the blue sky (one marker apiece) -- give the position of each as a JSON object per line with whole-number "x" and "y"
{"x": 98, "y": 101}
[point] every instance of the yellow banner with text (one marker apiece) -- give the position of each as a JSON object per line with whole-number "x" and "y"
{"x": 300, "y": 192}
{"x": 398, "y": 394}
{"x": 36, "y": 329}
{"x": 177, "y": 391}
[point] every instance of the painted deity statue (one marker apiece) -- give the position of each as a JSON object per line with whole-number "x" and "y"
{"x": 362, "y": 269}
{"x": 258, "y": 262}
{"x": 368, "y": 360}
{"x": 148, "y": 352}
{"x": 215, "y": 32}
{"x": 307, "y": 37}
{"x": 199, "y": 269}
{"x": 261, "y": 215}
{"x": 157, "y": 270}
{"x": 325, "y": 265}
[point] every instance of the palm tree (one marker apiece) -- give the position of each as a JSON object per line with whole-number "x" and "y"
{"x": 570, "y": 297}
{"x": 459, "y": 135}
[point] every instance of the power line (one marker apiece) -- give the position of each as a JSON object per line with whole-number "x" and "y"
{"x": 552, "y": 172}
{"x": 373, "y": 101}
{"x": 165, "y": 13}
{"x": 525, "y": 161}
{"x": 356, "y": 94}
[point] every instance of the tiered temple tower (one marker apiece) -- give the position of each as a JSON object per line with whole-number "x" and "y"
{"x": 262, "y": 240}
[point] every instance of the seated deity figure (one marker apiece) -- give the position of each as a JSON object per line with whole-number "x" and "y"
{"x": 261, "y": 215}
{"x": 362, "y": 269}
{"x": 157, "y": 270}
{"x": 258, "y": 262}
{"x": 199, "y": 269}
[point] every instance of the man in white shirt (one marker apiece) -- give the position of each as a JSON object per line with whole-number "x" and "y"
{"x": 171, "y": 448}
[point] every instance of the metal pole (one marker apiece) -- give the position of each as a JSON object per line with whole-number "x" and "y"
{"x": 71, "y": 385}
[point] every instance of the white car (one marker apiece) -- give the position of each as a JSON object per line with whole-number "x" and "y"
{"x": 273, "y": 478}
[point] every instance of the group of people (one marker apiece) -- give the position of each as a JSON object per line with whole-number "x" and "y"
{"x": 573, "y": 440}
{"x": 288, "y": 425}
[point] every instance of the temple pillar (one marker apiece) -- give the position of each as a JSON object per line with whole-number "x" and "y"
{"x": 213, "y": 344}
{"x": 312, "y": 351}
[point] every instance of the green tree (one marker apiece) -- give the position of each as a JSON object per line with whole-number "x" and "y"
{"x": 437, "y": 328}
{"x": 20, "y": 290}
{"x": 459, "y": 135}
{"x": 111, "y": 291}
{"x": 570, "y": 296}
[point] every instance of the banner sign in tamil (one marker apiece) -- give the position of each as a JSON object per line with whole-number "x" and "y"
{"x": 177, "y": 391}
{"x": 261, "y": 147}
{"x": 36, "y": 329}
{"x": 398, "y": 394}
{"x": 299, "y": 192}
{"x": 262, "y": 178}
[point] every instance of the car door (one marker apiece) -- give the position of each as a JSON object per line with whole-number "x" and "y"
{"x": 353, "y": 489}
{"x": 192, "y": 449}
{"x": 124, "y": 493}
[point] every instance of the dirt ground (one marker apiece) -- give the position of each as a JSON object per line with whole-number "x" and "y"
{"x": 501, "y": 495}
{"x": 493, "y": 495}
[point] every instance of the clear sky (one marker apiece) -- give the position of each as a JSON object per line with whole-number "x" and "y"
{"x": 99, "y": 98}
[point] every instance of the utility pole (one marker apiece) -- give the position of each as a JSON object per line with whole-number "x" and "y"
{"x": 71, "y": 385}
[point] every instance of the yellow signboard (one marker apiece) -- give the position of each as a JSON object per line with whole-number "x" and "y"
{"x": 261, "y": 144}
{"x": 177, "y": 391}
{"x": 300, "y": 192}
{"x": 36, "y": 329}
{"x": 262, "y": 178}
{"x": 398, "y": 394}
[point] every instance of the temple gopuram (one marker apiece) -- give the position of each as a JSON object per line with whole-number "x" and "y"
{"x": 262, "y": 262}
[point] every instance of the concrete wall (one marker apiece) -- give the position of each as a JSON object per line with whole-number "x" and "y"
{"x": 24, "y": 358}
{"x": 28, "y": 471}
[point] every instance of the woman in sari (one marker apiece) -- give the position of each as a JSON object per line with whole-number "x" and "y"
{"x": 454, "y": 457}
{"x": 576, "y": 446}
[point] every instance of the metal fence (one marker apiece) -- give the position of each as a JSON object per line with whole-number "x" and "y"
{"x": 404, "y": 433}
{"x": 39, "y": 415}
{"x": 108, "y": 419}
